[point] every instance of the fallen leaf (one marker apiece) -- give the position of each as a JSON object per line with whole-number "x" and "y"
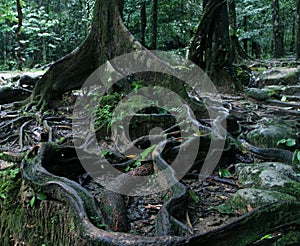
{"x": 131, "y": 156}
{"x": 249, "y": 208}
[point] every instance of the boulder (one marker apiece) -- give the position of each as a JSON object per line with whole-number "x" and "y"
{"x": 280, "y": 76}
{"x": 270, "y": 176}
{"x": 11, "y": 94}
{"x": 28, "y": 80}
{"x": 258, "y": 94}
{"x": 267, "y": 133}
{"x": 257, "y": 197}
{"x": 292, "y": 90}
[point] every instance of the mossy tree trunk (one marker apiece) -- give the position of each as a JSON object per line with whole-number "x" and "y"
{"x": 211, "y": 47}
{"x": 108, "y": 38}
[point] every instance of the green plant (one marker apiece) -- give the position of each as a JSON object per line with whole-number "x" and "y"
{"x": 103, "y": 114}
{"x": 288, "y": 142}
{"x": 143, "y": 157}
{"x": 137, "y": 85}
{"x": 296, "y": 159}
{"x": 54, "y": 220}
{"x": 37, "y": 196}
{"x": 268, "y": 236}
{"x": 8, "y": 182}
{"x": 224, "y": 173}
{"x": 194, "y": 196}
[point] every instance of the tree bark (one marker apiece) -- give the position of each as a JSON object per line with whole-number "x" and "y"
{"x": 239, "y": 53}
{"x": 18, "y": 30}
{"x": 245, "y": 40}
{"x": 154, "y": 24}
{"x": 298, "y": 32}
{"x": 277, "y": 30}
{"x": 292, "y": 46}
{"x": 108, "y": 38}
{"x": 143, "y": 22}
{"x": 211, "y": 46}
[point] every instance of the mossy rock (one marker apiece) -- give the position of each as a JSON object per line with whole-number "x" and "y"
{"x": 280, "y": 76}
{"x": 292, "y": 90}
{"x": 268, "y": 133}
{"x": 270, "y": 176}
{"x": 282, "y": 168}
{"x": 258, "y": 94}
{"x": 257, "y": 197}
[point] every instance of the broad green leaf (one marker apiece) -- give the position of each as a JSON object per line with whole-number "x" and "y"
{"x": 283, "y": 98}
{"x": 281, "y": 141}
{"x": 41, "y": 196}
{"x": 194, "y": 196}
{"x": 147, "y": 151}
{"x": 224, "y": 173}
{"x": 290, "y": 142}
{"x": 268, "y": 236}
{"x": 223, "y": 209}
{"x": 32, "y": 201}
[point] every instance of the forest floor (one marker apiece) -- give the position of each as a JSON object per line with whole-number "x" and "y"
{"x": 202, "y": 214}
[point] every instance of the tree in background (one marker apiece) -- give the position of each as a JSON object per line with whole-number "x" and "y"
{"x": 211, "y": 46}
{"x": 176, "y": 21}
{"x": 239, "y": 52}
{"x": 277, "y": 30}
{"x": 154, "y": 25}
{"x": 49, "y": 30}
{"x": 143, "y": 22}
{"x": 18, "y": 30}
{"x": 298, "y": 31}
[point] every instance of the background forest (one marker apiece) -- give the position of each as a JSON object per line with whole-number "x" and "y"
{"x": 43, "y": 31}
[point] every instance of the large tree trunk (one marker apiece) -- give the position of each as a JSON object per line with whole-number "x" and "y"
{"x": 108, "y": 38}
{"x": 277, "y": 30}
{"x": 211, "y": 47}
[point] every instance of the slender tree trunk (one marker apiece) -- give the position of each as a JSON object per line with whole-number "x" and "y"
{"x": 256, "y": 50}
{"x": 292, "y": 46}
{"x": 239, "y": 53}
{"x": 18, "y": 30}
{"x": 277, "y": 30}
{"x": 154, "y": 24}
{"x": 88, "y": 11}
{"x": 245, "y": 40}
{"x": 211, "y": 46}
{"x": 298, "y": 31}
{"x": 108, "y": 38}
{"x": 143, "y": 22}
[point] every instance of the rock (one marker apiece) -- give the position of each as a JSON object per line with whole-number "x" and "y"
{"x": 245, "y": 169}
{"x": 10, "y": 94}
{"x": 269, "y": 132}
{"x": 280, "y": 76}
{"x": 26, "y": 79}
{"x": 292, "y": 90}
{"x": 270, "y": 176}
{"x": 2, "y": 80}
{"x": 258, "y": 94}
{"x": 258, "y": 197}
